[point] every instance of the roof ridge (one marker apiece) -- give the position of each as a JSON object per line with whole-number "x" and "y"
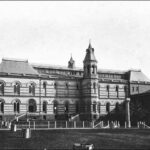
{"x": 14, "y": 59}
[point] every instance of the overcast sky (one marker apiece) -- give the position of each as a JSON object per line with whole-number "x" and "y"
{"x": 48, "y": 32}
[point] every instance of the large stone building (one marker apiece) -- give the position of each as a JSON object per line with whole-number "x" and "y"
{"x": 52, "y": 91}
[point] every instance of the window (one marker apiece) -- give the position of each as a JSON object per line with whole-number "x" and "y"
{"x": 2, "y": 106}
{"x": 108, "y": 107}
{"x": 137, "y": 88}
{"x": 17, "y": 88}
{"x": 16, "y": 106}
{"x": 1, "y": 88}
{"x": 94, "y": 107}
{"x": 94, "y": 86}
{"x": 45, "y": 107}
{"x": 66, "y": 107}
{"x": 117, "y": 90}
{"x": 55, "y": 107}
{"x": 132, "y": 89}
{"x": 108, "y": 90}
{"x": 93, "y": 69}
{"x": 117, "y": 107}
{"x": 32, "y": 89}
{"x": 88, "y": 69}
{"x": 44, "y": 87}
{"x": 77, "y": 107}
{"x": 99, "y": 107}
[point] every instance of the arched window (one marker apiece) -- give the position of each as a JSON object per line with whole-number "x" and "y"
{"x": 107, "y": 90}
{"x": 66, "y": 107}
{"x": 67, "y": 85}
{"x": 17, "y": 88}
{"x": 2, "y": 106}
{"x": 77, "y": 106}
{"x": 55, "y": 85}
{"x": 55, "y": 107}
{"x": 94, "y": 107}
{"x": 125, "y": 90}
{"x": 1, "y": 88}
{"x": 117, "y": 107}
{"x": 117, "y": 91}
{"x": 94, "y": 86}
{"x": 88, "y": 69}
{"x": 44, "y": 87}
{"x": 32, "y": 89}
{"x": 99, "y": 107}
{"x": 16, "y": 106}
{"x": 93, "y": 67}
{"x": 108, "y": 107}
{"x": 45, "y": 107}
{"x": 32, "y": 107}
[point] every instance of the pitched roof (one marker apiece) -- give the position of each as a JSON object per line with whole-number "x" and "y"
{"x": 17, "y": 67}
{"x": 137, "y": 75}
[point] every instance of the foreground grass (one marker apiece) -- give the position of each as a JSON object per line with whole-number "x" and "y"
{"x": 64, "y": 139}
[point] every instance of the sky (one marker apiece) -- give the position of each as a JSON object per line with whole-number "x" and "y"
{"x": 48, "y": 32}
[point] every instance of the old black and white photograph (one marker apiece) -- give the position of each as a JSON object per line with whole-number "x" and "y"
{"x": 74, "y": 75}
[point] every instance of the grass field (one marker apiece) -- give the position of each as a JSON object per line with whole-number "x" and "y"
{"x": 64, "y": 139}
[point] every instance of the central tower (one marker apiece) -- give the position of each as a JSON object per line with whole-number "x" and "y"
{"x": 89, "y": 86}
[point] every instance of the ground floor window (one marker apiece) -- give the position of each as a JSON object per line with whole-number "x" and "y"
{"x": 17, "y": 106}
{"x": 45, "y": 107}
{"x": 32, "y": 105}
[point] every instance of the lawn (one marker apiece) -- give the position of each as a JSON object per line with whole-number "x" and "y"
{"x": 64, "y": 139}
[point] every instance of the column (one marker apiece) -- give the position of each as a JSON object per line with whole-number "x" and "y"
{"x": 128, "y": 123}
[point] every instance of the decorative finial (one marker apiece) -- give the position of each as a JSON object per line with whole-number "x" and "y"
{"x": 90, "y": 44}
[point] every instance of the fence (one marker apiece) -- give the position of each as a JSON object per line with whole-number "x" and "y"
{"x": 54, "y": 124}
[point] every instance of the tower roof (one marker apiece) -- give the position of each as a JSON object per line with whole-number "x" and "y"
{"x": 90, "y": 54}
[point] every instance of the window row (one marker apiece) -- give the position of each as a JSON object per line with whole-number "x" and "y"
{"x": 16, "y": 88}
{"x": 117, "y": 107}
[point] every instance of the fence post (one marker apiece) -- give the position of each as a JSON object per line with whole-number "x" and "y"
{"x": 125, "y": 125}
{"x": 137, "y": 124}
{"x": 66, "y": 124}
{"x": 74, "y": 124}
{"x": 55, "y": 124}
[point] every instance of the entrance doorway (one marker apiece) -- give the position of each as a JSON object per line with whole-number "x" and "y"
{"x": 32, "y": 106}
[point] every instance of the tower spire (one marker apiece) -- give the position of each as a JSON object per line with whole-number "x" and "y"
{"x": 90, "y": 47}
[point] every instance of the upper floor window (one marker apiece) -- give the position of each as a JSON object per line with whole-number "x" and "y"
{"x": 44, "y": 87}
{"x": 32, "y": 89}
{"x": 17, "y": 88}
{"x": 132, "y": 89}
{"x": 108, "y": 90}
{"x": 2, "y": 106}
{"x": 1, "y": 88}
{"x": 94, "y": 107}
{"x": 137, "y": 88}
{"x": 117, "y": 90}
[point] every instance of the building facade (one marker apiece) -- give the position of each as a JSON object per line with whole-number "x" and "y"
{"x": 53, "y": 92}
